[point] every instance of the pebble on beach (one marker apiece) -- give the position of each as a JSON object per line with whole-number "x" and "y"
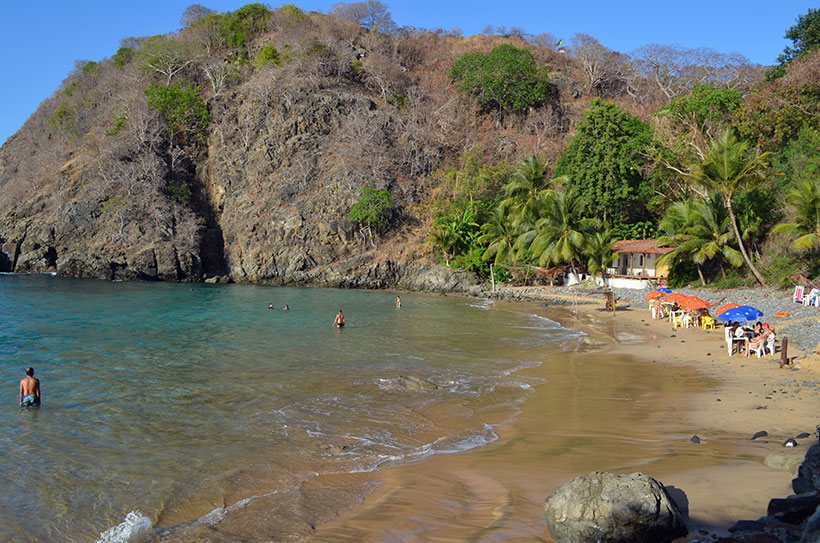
{"x": 695, "y": 439}
{"x": 761, "y": 433}
{"x": 790, "y": 443}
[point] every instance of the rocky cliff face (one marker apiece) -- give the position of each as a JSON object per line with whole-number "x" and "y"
{"x": 90, "y": 185}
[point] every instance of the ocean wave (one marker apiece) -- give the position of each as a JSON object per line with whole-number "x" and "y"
{"x": 134, "y": 523}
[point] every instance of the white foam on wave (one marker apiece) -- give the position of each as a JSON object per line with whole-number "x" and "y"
{"x": 134, "y": 523}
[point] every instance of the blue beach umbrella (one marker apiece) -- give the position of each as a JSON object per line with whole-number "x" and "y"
{"x": 664, "y": 290}
{"x": 741, "y": 313}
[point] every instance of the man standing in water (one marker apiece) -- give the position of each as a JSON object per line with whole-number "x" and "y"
{"x": 29, "y": 389}
{"x": 339, "y": 321}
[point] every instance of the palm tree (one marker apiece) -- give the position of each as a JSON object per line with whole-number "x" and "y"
{"x": 499, "y": 237}
{"x": 699, "y": 230}
{"x": 804, "y": 199}
{"x": 560, "y": 235}
{"x": 599, "y": 252}
{"x": 524, "y": 189}
{"x": 729, "y": 168}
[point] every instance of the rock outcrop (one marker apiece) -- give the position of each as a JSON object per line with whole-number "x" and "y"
{"x": 602, "y": 507}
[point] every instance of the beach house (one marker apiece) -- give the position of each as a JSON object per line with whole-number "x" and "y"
{"x": 636, "y": 264}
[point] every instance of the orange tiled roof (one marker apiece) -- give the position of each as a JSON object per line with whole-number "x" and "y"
{"x": 648, "y": 246}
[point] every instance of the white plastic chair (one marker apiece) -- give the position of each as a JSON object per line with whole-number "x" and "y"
{"x": 730, "y": 340}
{"x": 811, "y": 297}
{"x": 760, "y": 350}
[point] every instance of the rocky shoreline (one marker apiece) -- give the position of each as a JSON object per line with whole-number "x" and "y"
{"x": 793, "y": 519}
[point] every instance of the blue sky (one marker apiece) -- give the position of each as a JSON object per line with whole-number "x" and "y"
{"x": 39, "y": 42}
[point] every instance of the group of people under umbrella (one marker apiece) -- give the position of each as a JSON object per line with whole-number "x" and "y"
{"x": 686, "y": 311}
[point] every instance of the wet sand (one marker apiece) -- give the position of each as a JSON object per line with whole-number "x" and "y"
{"x": 628, "y": 400}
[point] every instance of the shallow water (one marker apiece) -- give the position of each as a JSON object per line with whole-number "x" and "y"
{"x": 167, "y": 406}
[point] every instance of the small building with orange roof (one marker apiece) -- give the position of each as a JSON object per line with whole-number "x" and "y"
{"x": 636, "y": 264}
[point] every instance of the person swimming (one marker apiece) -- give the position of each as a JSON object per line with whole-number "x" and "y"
{"x": 339, "y": 321}
{"x": 29, "y": 389}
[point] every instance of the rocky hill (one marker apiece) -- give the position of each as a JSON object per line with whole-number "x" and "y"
{"x": 237, "y": 146}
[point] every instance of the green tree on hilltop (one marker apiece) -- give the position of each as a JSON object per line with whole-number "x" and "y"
{"x": 505, "y": 79}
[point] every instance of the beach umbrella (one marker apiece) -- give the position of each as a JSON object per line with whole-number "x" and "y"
{"x": 655, "y": 294}
{"x": 741, "y": 313}
{"x": 676, "y": 297}
{"x": 693, "y": 302}
{"x": 723, "y": 308}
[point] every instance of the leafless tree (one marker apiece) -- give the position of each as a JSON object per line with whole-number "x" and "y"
{"x": 206, "y": 33}
{"x": 219, "y": 74}
{"x": 192, "y": 13}
{"x": 544, "y": 39}
{"x": 674, "y": 70}
{"x": 384, "y": 74}
{"x": 168, "y": 56}
{"x": 371, "y": 14}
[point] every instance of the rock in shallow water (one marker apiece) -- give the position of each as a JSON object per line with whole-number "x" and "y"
{"x": 606, "y": 507}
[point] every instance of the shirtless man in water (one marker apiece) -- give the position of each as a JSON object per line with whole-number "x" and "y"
{"x": 339, "y": 321}
{"x": 29, "y": 389}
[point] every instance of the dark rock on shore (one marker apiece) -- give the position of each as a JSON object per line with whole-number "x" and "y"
{"x": 795, "y": 519}
{"x": 606, "y": 507}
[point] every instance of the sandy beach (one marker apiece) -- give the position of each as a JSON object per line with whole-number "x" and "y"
{"x": 629, "y": 399}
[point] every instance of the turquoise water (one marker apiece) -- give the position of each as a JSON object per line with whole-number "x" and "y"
{"x": 166, "y": 405}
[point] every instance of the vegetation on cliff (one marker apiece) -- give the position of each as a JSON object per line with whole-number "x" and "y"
{"x": 271, "y": 144}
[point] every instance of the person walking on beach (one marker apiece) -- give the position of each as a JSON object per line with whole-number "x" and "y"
{"x": 29, "y": 389}
{"x": 339, "y": 321}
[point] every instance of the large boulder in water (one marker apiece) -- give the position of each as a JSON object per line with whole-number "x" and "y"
{"x": 602, "y": 507}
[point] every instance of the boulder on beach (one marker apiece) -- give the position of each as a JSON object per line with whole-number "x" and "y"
{"x": 785, "y": 462}
{"x": 606, "y": 507}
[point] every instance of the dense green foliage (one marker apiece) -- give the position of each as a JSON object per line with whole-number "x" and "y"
{"x": 605, "y": 163}
{"x": 90, "y": 67}
{"x": 291, "y": 10}
{"x": 123, "y": 56}
{"x": 505, "y": 79}
{"x": 706, "y": 103}
{"x": 267, "y": 56}
{"x": 373, "y": 209}
{"x": 182, "y": 109}
{"x": 241, "y": 25}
